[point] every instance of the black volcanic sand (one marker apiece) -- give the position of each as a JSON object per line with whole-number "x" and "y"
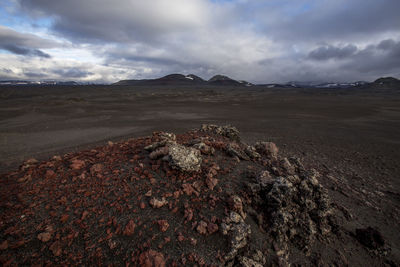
{"x": 352, "y": 137}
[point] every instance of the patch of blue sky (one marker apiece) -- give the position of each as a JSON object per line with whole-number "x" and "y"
{"x": 11, "y": 17}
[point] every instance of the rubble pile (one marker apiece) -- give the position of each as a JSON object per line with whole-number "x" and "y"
{"x": 217, "y": 199}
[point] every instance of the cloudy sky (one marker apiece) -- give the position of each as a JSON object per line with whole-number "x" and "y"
{"x": 262, "y": 41}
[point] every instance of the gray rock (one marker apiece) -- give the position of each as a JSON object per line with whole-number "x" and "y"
{"x": 267, "y": 148}
{"x": 183, "y": 158}
{"x": 227, "y": 131}
{"x": 234, "y": 150}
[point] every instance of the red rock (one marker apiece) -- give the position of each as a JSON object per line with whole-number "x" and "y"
{"x": 176, "y": 194}
{"x": 142, "y": 205}
{"x": 64, "y": 218}
{"x": 4, "y": 245}
{"x": 84, "y": 215}
{"x": 188, "y": 189}
{"x": 56, "y": 248}
{"x": 155, "y": 203}
{"x": 44, "y": 237}
{"x": 49, "y": 174}
{"x": 77, "y": 164}
{"x": 212, "y": 228}
{"x": 151, "y": 258}
{"x": 130, "y": 228}
{"x": 193, "y": 241}
{"x": 163, "y": 224}
{"x": 211, "y": 182}
{"x": 202, "y": 227}
{"x": 188, "y": 214}
{"x": 181, "y": 237}
{"x": 96, "y": 168}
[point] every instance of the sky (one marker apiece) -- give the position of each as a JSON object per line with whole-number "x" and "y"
{"x": 260, "y": 41}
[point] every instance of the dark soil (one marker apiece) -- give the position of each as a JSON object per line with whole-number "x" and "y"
{"x": 351, "y": 138}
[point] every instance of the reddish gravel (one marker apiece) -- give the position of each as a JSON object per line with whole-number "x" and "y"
{"x": 114, "y": 205}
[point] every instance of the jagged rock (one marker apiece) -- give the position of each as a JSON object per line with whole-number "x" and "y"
{"x": 234, "y": 150}
{"x": 265, "y": 179}
{"x": 202, "y": 227}
{"x": 211, "y": 181}
{"x": 252, "y": 152}
{"x": 155, "y": 203}
{"x": 166, "y": 139}
{"x": 227, "y": 131}
{"x": 236, "y": 205}
{"x": 159, "y": 152}
{"x": 298, "y": 209}
{"x": 238, "y": 231}
{"x": 184, "y": 158}
{"x": 152, "y": 258}
{"x": 256, "y": 260}
{"x": 267, "y": 148}
{"x": 204, "y": 149}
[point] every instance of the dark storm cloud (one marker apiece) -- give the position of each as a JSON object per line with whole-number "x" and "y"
{"x": 331, "y": 20}
{"x": 239, "y": 38}
{"x": 121, "y": 21}
{"x": 332, "y": 52}
{"x": 23, "y": 44}
{"x": 24, "y": 51}
{"x": 35, "y": 75}
{"x": 72, "y": 73}
{"x": 383, "y": 57}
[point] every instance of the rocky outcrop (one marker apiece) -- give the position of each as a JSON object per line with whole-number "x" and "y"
{"x": 226, "y": 131}
{"x": 180, "y": 157}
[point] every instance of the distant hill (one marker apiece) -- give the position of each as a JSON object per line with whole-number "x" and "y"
{"x": 191, "y": 79}
{"x": 171, "y": 79}
{"x": 387, "y": 81}
{"x": 20, "y": 82}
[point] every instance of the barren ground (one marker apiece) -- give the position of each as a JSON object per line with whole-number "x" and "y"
{"x": 352, "y": 137}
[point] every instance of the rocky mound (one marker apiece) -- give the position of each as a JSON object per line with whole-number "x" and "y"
{"x": 200, "y": 198}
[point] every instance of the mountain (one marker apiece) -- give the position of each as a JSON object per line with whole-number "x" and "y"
{"x": 387, "y": 81}
{"x": 20, "y": 82}
{"x": 223, "y": 80}
{"x": 171, "y": 79}
{"x": 191, "y": 79}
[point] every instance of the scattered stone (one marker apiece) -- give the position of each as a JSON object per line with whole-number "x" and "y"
{"x": 211, "y": 181}
{"x": 56, "y": 248}
{"x": 188, "y": 189}
{"x": 49, "y": 174}
{"x": 77, "y": 164}
{"x": 96, "y": 168}
{"x": 155, "y": 203}
{"x": 44, "y": 237}
{"x": 163, "y": 224}
{"x": 151, "y": 258}
{"x": 212, "y": 228}
{"x": 202, "y": 227}
{"x": 130, "y": 228}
